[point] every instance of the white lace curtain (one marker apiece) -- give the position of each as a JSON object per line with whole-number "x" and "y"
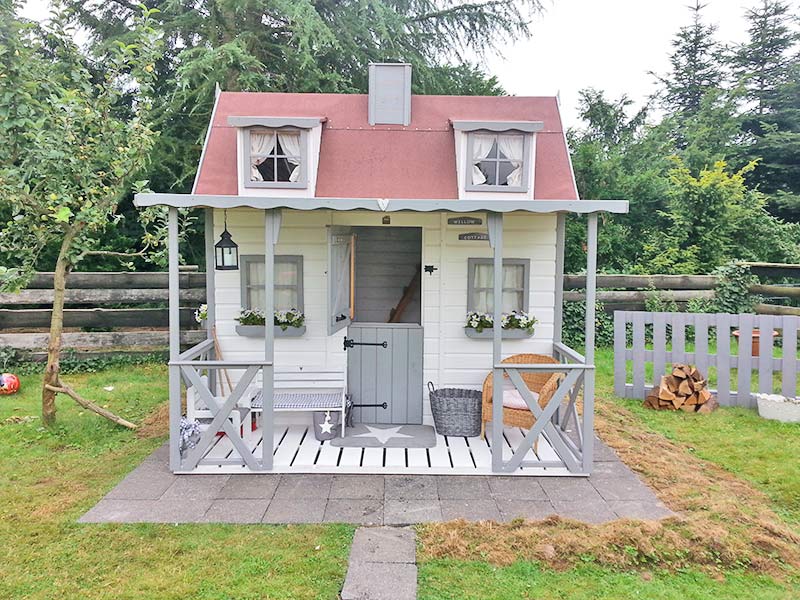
{"x": 512, "y": 147}
{"x": 263, "y": 143}
{"x": 285, "y": 275}
{"x": 513, "y": 288}
{"x": 290, "y": 144}
{"x": 481, "y": 147}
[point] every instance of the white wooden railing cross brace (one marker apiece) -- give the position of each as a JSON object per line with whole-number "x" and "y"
{"x": 220, "y": 422}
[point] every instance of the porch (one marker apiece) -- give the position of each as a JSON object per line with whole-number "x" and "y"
{"x": 559, "y": 443}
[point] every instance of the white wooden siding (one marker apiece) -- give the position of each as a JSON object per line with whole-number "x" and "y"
{"x": 450, "y": 358}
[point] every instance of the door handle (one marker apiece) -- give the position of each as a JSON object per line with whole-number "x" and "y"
{"x": 351, "y": 343}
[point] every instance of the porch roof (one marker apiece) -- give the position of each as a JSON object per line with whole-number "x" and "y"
{"x": 381, "y": 204}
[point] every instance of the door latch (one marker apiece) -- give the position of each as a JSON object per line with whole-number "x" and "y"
{"x": 351, "y": 343}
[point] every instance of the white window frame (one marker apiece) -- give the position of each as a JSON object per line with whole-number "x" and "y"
{"x": 526, "y": 279}
{"x": 526, "y": 163}
{"x": 249, "y": 259}
{"x": 302, "y": 179}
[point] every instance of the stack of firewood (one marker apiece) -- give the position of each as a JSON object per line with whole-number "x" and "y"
{"x": 684, "y": 389}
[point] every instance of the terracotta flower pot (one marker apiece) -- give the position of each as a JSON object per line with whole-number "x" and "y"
{"x": 755, "y": 345}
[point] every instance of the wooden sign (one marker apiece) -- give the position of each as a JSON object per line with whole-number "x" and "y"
{"x": 464, "y": 221}
{"x": 477, "y": 236}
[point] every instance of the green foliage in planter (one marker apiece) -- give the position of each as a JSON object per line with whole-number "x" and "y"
{"x": 573, "y": 332}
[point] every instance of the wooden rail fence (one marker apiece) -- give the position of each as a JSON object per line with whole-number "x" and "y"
{"x": 104, "y": 312}
{"x": 630, "y": 292}
{"x": 647, "y": 343}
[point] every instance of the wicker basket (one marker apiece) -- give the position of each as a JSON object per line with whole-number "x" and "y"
{"x": 456, "y": 412}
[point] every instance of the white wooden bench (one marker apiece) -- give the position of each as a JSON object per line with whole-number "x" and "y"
{"x": 300, "y": 389}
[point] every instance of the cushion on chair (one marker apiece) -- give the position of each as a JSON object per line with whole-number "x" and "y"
{"x": 513, "y": 399}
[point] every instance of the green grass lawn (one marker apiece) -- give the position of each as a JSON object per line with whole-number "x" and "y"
{"x": 48, "y": 479}
{"x": 454, "y": 580}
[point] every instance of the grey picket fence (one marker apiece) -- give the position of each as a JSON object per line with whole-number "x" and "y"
{"x": 647, "y": 343}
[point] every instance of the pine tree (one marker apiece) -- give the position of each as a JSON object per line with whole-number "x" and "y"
{"x": 695, "y": 63}
{"x": 764, "y": 63}
{"x": 768, "y": 66}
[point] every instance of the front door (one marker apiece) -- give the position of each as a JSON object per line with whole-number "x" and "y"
{"x": 384, "y": 372}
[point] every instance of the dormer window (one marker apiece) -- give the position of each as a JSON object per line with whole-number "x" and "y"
{"x": 274, "y": 151}
{"x": 497, "y": 159}
{"x": 498, "y": 155}
{"x": 277, "y": 157}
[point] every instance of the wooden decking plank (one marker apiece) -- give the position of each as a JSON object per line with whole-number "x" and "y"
{"x": 459, "y": 452}
{"x": 288, "y": 447}
{"x": 396, "y": 457}
{"x": 373, "y": 457}
{"x": 439, "y": 455}
{"x": 328, "y": 455}
{"x": 351, "y": 457}
{"x": 309, "y": 448}
{"x": 417, "y": 458}
{"x": 481, "y": 452}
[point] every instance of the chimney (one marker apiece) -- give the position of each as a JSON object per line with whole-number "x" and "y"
{"x": 389, "y": 94}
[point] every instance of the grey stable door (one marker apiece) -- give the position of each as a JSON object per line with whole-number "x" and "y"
{"x": 391, "y": 374}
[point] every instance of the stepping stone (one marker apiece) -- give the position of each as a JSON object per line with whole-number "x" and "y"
{"x": 382, "y": 565}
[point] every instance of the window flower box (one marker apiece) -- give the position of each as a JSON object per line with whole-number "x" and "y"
{"x": 287, "y": 323}
{"x": 516, "y": 325}
{"x": 258, "y": 331}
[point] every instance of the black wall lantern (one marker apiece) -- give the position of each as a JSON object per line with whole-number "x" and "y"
{"x": 226, "y": 250}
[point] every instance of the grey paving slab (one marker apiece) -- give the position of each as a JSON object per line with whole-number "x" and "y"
{"x": 146, "y": 511}
{"x": 411, "y": 511}
{"x": 572, "y": 489}
{"x": 588, "y": 512}
{"x": 516, "y": 488}
{"x": 603, "y": 453}
{"x": 160, "y": 455}
{"x": 301, "y": 486}
{"x": 357, "y": 486}
{"x": 143, "y": 484}
{"x": 250, "y": 486}
{"x": 383, "y": 544}
{"x": 453, "y": 487}
{"x": 238, "y": 510}
{"x": 637, "y": 509}
{"x": 360, "y": 511}
{"x": 477, "y": 509}
{"x": 296, "y": 510}
{"x": 411, "y": 487}
{"x": 533, "y": 510}
{"x": 380, "y": 581}
{"x": 624, "y": 487}
{"x": 189, "y": 488}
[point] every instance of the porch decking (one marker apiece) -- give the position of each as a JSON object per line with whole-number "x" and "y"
{"x": 296, "y": 450}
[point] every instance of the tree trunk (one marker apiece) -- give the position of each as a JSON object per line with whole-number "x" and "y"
{"x": 51, "y": 372}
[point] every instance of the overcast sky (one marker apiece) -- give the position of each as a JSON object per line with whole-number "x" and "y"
{"x": 605, "y": 44}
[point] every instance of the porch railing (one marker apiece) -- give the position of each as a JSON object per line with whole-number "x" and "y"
{"x": 199, "y": 371}
{"x": 573, "y": 447}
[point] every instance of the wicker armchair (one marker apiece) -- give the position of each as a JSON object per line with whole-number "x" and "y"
{"x": 544, "y": 384}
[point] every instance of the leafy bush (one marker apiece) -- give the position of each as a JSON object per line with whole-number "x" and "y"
{"x": 574, "y": 319}
{"x": 732, "y": 292}
{"x": 17, "y": 362}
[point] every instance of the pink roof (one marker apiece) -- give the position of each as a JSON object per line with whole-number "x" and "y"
{"x": 388, "y": 161}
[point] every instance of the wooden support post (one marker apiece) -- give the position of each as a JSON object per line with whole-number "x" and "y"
{"x": 211, "y": 320}
{"x": 558, "y": 320}
{"x": 496, "y": 237}
{"x": 588, "y": 380}
{"x": 267, "y": 415}
{"x": 174, "y": 341}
